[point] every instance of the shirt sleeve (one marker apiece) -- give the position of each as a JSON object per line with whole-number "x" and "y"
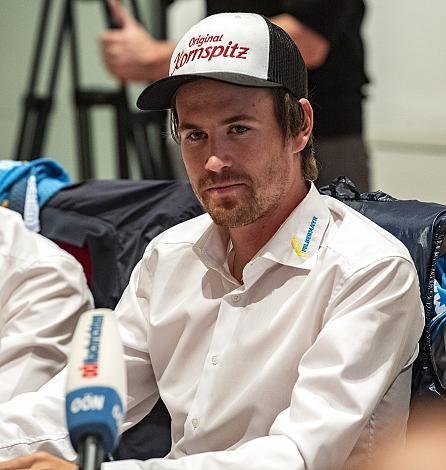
{"x": 35, "y": 421}
{"x": 368, "y": 338}
{"x": 40, "y": 304}
{"x": 132, "y": 314}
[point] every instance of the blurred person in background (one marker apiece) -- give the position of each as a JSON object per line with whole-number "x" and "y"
{"x": 43, "y": 291}
{"x": 327, "y": 32}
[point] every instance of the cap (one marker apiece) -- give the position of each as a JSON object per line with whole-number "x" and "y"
{"x": 240, "y": 48}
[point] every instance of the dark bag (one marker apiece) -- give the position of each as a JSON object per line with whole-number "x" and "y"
{"x": 421, "y": 226}
{"x": 107, "y": 225}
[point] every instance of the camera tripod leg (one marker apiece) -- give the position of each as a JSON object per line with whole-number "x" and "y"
{"x": 38, "y": 108}
{"x": 131, "y": 126}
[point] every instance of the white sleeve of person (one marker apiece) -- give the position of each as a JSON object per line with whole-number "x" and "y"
{"x": 43, "y": 291}
{"x": 35, "y": 421}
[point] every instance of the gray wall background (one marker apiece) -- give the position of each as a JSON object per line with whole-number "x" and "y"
{"x": 405, "y": 111}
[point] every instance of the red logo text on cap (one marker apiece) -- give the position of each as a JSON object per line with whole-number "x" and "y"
{"x": 230, "y": 50}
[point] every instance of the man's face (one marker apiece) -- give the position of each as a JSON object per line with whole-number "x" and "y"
{"x": 238, "y": 163}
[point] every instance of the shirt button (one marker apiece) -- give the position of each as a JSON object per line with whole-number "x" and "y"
{"x": 195, "y": 423}
{"x": 215, "y": 360}
{"x": 236, "y": 298}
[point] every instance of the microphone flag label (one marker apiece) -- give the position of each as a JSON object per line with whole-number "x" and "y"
{"x": 90, "y": 365}
{"x": 94, "y": 410}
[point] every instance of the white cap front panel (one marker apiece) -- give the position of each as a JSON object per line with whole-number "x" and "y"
{"x": 217, "y": 44}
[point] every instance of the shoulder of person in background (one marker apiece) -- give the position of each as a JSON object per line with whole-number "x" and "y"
{"x": 43, "y": 291}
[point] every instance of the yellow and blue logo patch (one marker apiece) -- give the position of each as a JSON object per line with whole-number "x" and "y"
{"x": 302, "y": 248}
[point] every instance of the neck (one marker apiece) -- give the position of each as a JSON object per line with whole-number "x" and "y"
{"x": 249, "y": 239}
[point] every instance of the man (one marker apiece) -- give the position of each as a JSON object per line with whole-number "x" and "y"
{"x": 328, "y": 34}
{"x": 42, "y": 293}
{"x": 279, "y": 329}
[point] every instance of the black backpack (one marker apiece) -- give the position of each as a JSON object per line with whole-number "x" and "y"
{"x": 421, "y": 226}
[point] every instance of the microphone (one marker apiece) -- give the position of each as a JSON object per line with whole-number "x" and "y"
{"x": 96, "y": 387}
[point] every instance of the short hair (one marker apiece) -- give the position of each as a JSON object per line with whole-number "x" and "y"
{"x": 291, "y": 119}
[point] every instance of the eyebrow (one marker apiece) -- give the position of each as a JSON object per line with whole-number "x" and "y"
{"x": 230, "y": 120}
{"x": 240, "y": 117}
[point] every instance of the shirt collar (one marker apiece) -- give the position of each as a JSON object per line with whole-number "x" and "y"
{"x": 212, "y": 246}
{"x": 295, "y": 243}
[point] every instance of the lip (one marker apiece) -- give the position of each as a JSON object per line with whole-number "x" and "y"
{"x": 224, "y": 188}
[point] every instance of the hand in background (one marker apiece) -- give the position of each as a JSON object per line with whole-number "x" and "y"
{"x": 312, "y": 45}
{"x": 37, "y": 461}
{"x": 131, "y": 53}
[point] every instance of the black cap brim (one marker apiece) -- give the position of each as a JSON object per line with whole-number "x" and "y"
{"x": 158, "y": 95}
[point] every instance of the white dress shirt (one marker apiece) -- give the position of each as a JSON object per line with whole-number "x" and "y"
{"x": 306, "y": 363}
{"x": 42, "y": 292}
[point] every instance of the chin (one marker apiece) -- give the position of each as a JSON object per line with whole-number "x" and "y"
{"x": 237, "y": 217}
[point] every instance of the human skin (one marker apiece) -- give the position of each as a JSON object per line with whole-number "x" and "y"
{"x": 245, "y": 173}
{"x": 131, "y": 53}
{"x": 38, "y": 461}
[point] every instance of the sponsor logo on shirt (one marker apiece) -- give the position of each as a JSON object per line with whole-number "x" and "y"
{"x": 209, "y": 47}
{"x": 302, "y": 248}
{"x": 90, "y": 363}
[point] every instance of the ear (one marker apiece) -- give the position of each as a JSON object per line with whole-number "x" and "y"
{"x": 301, "y": 139}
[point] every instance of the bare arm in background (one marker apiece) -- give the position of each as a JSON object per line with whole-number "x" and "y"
{"x": 313, "y": 46}
{"x": 132, "y": 54}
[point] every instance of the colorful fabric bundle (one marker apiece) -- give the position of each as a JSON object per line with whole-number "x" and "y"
{"x": 26, "y": 186}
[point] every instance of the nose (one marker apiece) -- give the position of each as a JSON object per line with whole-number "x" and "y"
{"x": 218, "y": 158}
{"x": 216, "y": 164}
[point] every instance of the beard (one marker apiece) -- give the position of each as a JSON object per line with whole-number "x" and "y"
{"x": 256, "y": 198}
{"x": 231, "y": 211}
